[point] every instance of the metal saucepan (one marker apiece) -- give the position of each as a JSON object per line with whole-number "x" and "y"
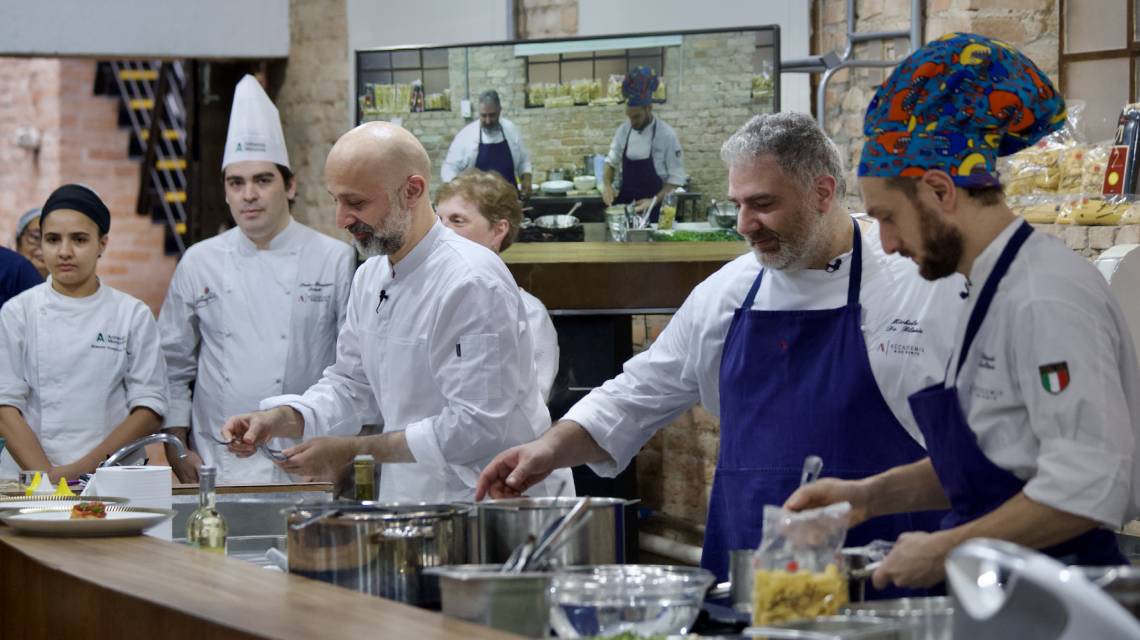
{"x": 506, "y": 524}
{"x": 375, "y": 548}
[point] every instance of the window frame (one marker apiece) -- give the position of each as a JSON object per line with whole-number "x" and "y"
{"x": 1131, "y": 50}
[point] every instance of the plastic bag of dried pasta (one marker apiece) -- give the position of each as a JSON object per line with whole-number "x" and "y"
{"x": 798, "y": 572}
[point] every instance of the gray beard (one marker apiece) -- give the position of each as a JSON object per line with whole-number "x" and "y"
{"x": 386, "y": 241}
{"x": 797, "y": 256}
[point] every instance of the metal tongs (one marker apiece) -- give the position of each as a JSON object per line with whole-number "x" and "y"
{"x": 534, "y": 554}
{"x": 275, "y": 455}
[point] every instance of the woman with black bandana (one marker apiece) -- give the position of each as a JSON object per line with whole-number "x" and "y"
{"x": 81, "y": 368}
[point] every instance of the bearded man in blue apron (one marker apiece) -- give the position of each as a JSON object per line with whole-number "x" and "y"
{"x": 807, "y": 345}
{"x": 1033, "y": 435}
{"x": 645, "y": 148}
{"x": 491, "y": 143}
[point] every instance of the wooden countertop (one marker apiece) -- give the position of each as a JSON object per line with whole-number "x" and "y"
{"x": 142, "y": 587}
{"x": 616, "y": 277}
{"x": 622, "y": 252}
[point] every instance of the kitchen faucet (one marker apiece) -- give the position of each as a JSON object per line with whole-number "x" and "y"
{"x": 131, "y": 447}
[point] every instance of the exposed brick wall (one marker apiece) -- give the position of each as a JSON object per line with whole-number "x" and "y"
{"x": 546, "y": 18}
{"x": 81, "y": 142}
{"x": 313, "y": 101}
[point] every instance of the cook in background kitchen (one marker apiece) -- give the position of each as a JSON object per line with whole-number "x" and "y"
{"x": 81, "y": 370}
{"x": 1033, "y": 435}
{"x": 253, "y": 312}
{"x": 644, "y": 148}
{"x": 483, "y": 209}
{"x": 17, "y": 268}
{"x": 492, "y": 143}
{"x": 28, "y": 240}
{"x": 433, "y": 343}
{"x": 809, "y": 344}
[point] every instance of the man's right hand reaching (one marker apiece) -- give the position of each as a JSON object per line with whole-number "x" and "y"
{"x": 245, "y": 431}
{"x": 515, "y": 470}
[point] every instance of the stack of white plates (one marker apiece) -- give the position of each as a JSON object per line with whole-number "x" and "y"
{"x": 556, "y": 186}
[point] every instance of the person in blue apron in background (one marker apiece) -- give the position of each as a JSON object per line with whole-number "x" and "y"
{"x": 492, "y": 143}
{"x": 809, "y": 344}
{"x": 645, "y": 148}
{"x": 1033, "y": 435}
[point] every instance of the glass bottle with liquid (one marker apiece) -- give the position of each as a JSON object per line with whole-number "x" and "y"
{"x": 364, "y": 472}
{"x": 206, "y": 528}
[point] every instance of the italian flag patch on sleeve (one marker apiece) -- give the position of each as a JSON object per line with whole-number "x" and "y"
{"x": 1054, "y": 377}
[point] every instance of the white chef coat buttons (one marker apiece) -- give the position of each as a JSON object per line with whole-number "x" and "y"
{"x": 278, "y": 381}
{"x": 284, "y": 337}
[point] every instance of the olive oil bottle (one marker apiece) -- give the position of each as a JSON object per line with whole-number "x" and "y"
{"x": 206, "y": 528}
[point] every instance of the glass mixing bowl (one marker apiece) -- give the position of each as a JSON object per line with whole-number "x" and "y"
{"x": 606, "y": 600}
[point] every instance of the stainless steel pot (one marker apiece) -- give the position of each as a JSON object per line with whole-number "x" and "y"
{"x": 375, "y": 548}
{"x": 480, "y": 593}
{"x": 505, "y": 524}
{"x": 1121, "y": 582}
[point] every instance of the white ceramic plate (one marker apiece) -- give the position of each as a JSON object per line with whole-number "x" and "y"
{"x": 56, "y": 521}
{"x": 556, "y": 186}
{"x": 15, "y": 503}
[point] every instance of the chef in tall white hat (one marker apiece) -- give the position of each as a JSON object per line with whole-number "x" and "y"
{"x": 253, "y": 312}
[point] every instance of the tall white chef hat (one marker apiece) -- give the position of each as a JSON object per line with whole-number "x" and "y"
{"x": 255, "y": 127}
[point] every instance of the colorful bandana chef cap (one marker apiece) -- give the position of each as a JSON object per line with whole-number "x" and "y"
{"x": 81, "y": 198}
{"x": 957, "y": 104}
{"x": 639, "y": 85}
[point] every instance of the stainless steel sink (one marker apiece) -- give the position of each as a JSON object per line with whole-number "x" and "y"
{"x": 255, "y": 521}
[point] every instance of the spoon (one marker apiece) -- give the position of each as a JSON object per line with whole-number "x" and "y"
{"x": 813, "y": 465}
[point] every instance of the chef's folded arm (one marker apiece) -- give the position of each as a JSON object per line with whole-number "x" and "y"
{"x": 178, "y": 328}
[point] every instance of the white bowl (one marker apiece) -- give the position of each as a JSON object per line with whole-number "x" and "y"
{"x": 556, "y": 186}
{"x": 584, "y": 183}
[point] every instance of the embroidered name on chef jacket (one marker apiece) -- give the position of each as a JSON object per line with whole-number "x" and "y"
{"x": 900, "y": 338}
{"x": 205, "y": 298}
{"x": 109, "y": 341}
{"x": 316, "y": 292}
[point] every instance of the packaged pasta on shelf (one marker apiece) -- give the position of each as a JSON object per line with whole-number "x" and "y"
{"x": 798, "y": 572}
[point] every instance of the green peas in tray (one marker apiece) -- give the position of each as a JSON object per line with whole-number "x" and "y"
{"x": 719, "y": 235}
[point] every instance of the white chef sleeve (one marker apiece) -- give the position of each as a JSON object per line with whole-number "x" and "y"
{"x": 458, "y": 156}
{"x": 145, "y": 381}
{"x": 1068, "y": 368}
{"x": 483, "y": 373}
{"x": 654, "y": 387}
{"x": 617, "y": 147}
{"x": 180, "y": 337}
{"x": 343, "y": 286}
{"x": 545, "y": 340}
{"x": 342, "y": 400}
{"x": 14, "y": 389}
{"x": 674, "y": 162}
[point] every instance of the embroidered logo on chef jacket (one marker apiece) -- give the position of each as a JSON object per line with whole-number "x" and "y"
{"x": 206, "y": 298}
{"x": 1054, "y": 377}
{"x": 900, "y": 348}
{"x": 109, "y": 341}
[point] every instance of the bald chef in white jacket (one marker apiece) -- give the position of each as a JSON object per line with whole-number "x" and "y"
{"x": 253, "y": 312}
{"x": 435, "y": 342}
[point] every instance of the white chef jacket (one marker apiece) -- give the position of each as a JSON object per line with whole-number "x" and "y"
{"x": 246, "y": 324}
{"x": 907, "y": 326}
{"x": 76, "y": 367}
{"x": 1077, "y": 446}
{"x": 668, "y": 159}
{"x": 437, "y": 347}
{"x": 465, "y": 148}
{"x": 545, "y": 340}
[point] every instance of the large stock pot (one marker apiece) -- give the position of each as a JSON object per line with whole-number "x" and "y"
{"x": 378, "y": 549}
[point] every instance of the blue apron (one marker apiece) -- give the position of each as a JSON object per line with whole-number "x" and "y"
{"x": 497, "y": 157}
{"x": 639, "y": 178}
{"x": 794, "y": 383}
{"x": 972, "y": 482}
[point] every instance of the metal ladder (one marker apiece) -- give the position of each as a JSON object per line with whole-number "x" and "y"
{"x": 153, "y": 93}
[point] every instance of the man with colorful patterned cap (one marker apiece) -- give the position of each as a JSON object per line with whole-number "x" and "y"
{"x": 1033, "y": 435}
{"x": 644, "y": 148}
